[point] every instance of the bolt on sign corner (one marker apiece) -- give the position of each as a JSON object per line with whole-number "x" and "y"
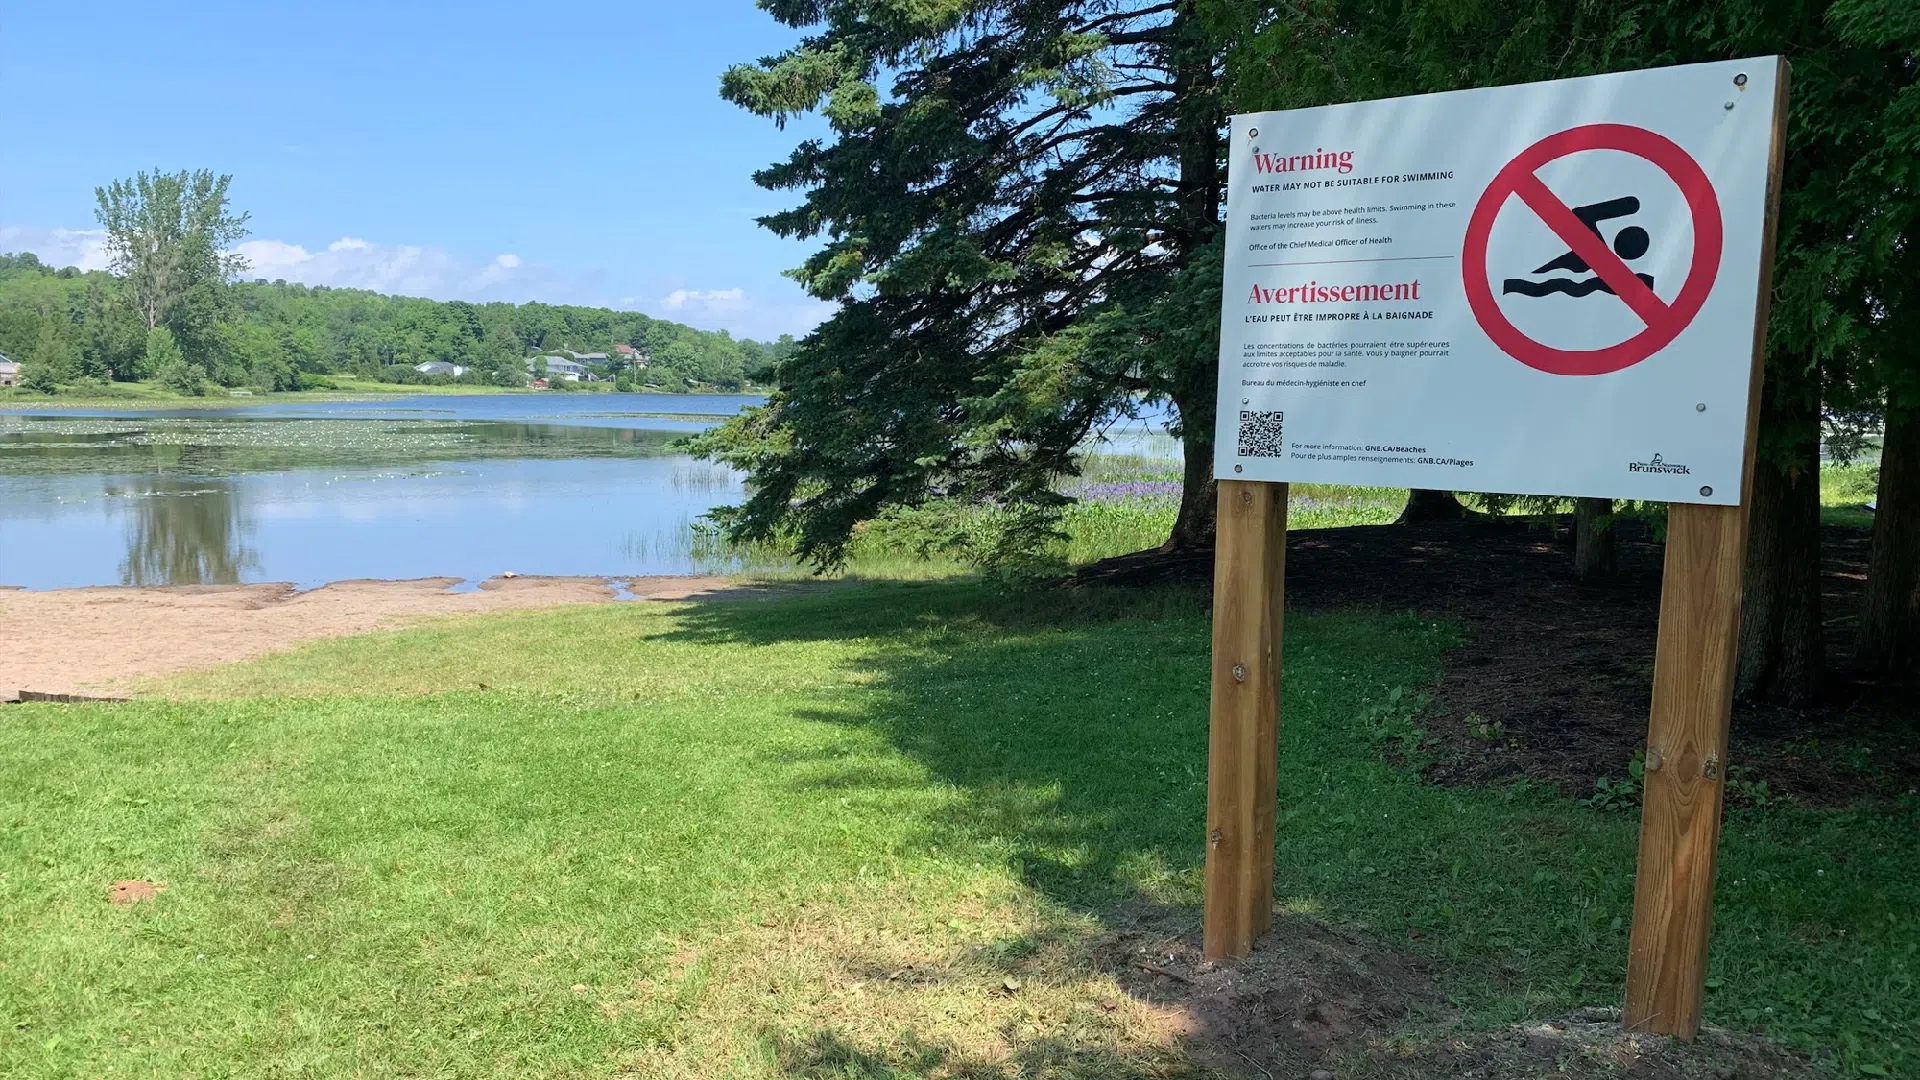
{"x": 1547, "y": 289}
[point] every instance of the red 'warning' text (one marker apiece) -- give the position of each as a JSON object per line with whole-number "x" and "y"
{"x": 1340, "y": 161}
{"x": 1315, "y": 293}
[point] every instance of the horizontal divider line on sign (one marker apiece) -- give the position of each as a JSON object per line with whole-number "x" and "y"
{"x": 1327, "y": 262}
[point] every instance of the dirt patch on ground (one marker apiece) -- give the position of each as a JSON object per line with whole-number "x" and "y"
{"x": 131, "y": 891}
{"x": 1554, "y": 678}
{"x": 1315, "y": 1003}
{"x": 1307, "y": 996}
{"x": 106, "y": 640}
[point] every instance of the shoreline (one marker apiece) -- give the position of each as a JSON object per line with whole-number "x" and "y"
{"x": 17, "y": 404}
{"x": 111, "y": 640}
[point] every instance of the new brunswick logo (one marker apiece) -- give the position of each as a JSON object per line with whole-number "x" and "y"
{"x": 1658, "y": 465}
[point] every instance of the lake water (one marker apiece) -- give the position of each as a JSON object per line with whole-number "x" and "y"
{"x": 441, "y": 485}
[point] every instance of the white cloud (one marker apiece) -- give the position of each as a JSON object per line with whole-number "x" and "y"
{"x": 500, "y": 270}
{"x": 434, "y": 272}
{"x": 709, "y": 300}
{"x": 736, "y": 310}
{"x": 406, "y": 269}
{"x": 84, "y": 248}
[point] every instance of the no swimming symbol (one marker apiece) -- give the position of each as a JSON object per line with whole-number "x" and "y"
{"x": 1576, "y": 226}
{"x": 1629, "y": 243}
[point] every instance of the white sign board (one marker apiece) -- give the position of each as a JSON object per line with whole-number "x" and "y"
{"x": 1546, "y": 289}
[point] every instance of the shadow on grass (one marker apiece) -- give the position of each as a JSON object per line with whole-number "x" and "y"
{"x": 1068, "y": 731}
{"x": 1071, "y": 725}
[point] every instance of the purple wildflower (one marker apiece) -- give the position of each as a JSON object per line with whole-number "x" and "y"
{"x": 1120, "y": 490}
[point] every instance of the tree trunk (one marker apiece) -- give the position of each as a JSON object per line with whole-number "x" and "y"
{"x": 1781, "y": 657}
{"x": 1197, "y": 124}
{"x": 1193, "y": 526}
{"x": 1593, "y": 556}
{"x": 1890, "y": 617}
{"x": 1427, "y": 505}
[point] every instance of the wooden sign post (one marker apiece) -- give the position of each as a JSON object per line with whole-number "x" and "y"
{"x": 1693, "y": 673}
{"x": 1249, "y": 571}
{"x": 1487, "y": 372}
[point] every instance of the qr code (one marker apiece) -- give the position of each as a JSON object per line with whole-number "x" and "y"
{"x": 1260, "y": 433}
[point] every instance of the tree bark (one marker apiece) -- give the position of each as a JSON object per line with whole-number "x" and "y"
{"x": 1890, "y": 617}
{"x": 1193, "y": 525}
{"x": 1197, "y": 133}
{"x": 1427, "y": 505}
{"x": 1197, "y": 124}
{"x": 1781, "y": 657}
{"x": 1593, "y": 550}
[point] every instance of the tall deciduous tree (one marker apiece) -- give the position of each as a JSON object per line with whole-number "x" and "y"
{"x": 169, "y": 234}
{"x": 1020, "y": 205}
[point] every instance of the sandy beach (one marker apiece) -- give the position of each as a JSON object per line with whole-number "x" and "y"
{"x": 105, "y": 641}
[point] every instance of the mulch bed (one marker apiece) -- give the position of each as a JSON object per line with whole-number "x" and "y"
{"x": 1553, "y": 680}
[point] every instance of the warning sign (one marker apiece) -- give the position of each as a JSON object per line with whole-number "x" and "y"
{"x": 1588, "y": 250}
{"x": 1543, "y": 289}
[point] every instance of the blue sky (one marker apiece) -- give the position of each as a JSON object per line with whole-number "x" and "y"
{"x": 561, "y": 151}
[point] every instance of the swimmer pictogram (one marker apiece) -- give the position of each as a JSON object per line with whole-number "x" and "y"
{"x": 1629, "y": 243}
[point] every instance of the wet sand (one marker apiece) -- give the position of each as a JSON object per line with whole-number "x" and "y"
{"x": 105, "y": 641}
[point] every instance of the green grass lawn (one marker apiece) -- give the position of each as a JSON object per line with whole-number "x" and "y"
{"x": 1844, "y": 491}
{"x": 117, "y": 393}
{"x": 697, "y": 840}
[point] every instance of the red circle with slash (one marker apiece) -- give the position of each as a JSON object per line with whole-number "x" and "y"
{"x": 1664, "y": 321}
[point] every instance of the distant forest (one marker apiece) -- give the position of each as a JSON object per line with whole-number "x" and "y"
{"x": 72, "y": 330}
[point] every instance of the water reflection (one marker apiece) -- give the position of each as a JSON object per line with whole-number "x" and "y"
{"x": 183, "y": 531}
{"x": 330, "y": 492}
{"x": 611, "y": 515}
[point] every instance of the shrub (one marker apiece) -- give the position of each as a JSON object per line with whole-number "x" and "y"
{"x": 169, "y": 365}
{"x": 38, "y": 377}
{"x": 183, "y": 378}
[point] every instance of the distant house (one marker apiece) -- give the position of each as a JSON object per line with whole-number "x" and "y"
{"x": 588, "y": 357}
{"x": 632, "y": 357}
{"x": 560, "y": 367}
{"x": 440, "y": 367}
{"x": 9, "y": 372}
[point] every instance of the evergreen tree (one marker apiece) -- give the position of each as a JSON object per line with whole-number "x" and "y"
{"x": 1886, "y": 176}
{"x": 506, "y": 360}
{"x": 1020, "y": 214}
{"x": 112, "y": 341}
